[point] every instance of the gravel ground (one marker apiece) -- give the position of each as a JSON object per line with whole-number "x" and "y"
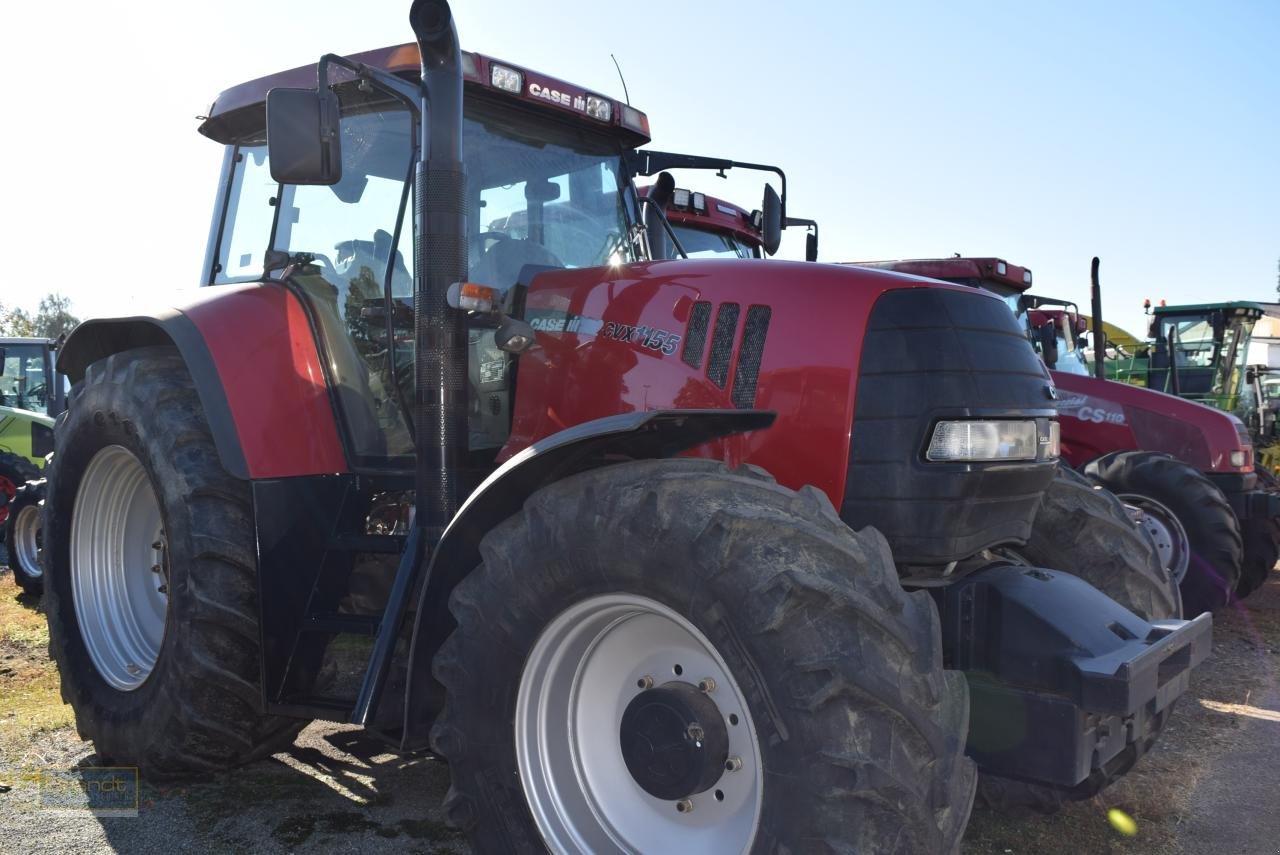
{"x": 1208, "y": 787}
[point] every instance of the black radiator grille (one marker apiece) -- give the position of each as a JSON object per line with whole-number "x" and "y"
{"x": 722, "y": 343}
{"x": 695, "y": 340}
{"x": 748, "y": 373}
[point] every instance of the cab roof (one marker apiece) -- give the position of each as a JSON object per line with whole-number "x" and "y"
{"x": 1254, "y": 310}
{"x": 989, "y": 269}
{"x": 240, "y": 110}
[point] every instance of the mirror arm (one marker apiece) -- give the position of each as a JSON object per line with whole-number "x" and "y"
{"x": 407, "y": 93}
{"x": 666, "y": 224}
{"x": 646, "y": 162}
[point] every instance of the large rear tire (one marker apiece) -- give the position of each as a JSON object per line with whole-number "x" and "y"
{"x": 1086, "y": 531}
{"x": 149, "y": 573}
{"x": 24, "y": 538}
{"x": 844, "y": 732}
{"x": 1217, "y": 549}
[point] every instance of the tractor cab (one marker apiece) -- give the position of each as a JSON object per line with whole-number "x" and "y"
{"x": 28, "y": 380}
{"x": 1199, "y": 351}
{"x": 707, "y": 227}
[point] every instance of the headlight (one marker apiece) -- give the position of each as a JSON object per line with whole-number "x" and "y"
{"x": 1238, "y": 458}
{"x": 990, "y": 440}
{"x": 506, "y": 79}
{"x": 599, "y": 108}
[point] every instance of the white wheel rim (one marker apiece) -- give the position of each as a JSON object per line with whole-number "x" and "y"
{"x": 26, "y": 537}
{"x": 585, "y": 669}
{"x": 1166, "y": 531}
{"x": 119, "y": 568}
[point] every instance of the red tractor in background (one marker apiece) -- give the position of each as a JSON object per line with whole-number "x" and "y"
{"x": 1189, "y": 467}
{"x": 442, "y": 398}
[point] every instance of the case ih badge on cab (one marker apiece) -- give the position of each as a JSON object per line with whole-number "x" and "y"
{"x": 614, "y": 646}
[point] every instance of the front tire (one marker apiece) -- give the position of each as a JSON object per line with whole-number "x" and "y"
{"x": 150, "y": 584}
{"x": 24, "y": 537}
{"x": 623, "y": 589}
{"x": 1213, "y": 532}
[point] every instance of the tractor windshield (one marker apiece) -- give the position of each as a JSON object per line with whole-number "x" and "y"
{"x": 24, "y": 383}
{"x": 1209, "y": 355}
{"x": 541, "y": 193}
{"x": 699, "y": 243}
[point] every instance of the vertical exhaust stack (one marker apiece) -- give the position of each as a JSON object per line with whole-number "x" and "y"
{"x": 440, "y": 406}
{"x": 1099, "y": 334}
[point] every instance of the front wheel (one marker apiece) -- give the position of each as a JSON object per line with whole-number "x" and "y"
{"x": 150, "y": 586}
{"x": 668, "y": 656}
{"x": 1167, "y": 489}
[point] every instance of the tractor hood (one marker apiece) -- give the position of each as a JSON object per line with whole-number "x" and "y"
{"x": 1100, "y": 416}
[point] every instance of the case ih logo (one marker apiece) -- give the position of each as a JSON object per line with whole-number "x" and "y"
{"x": 555, "y": 96}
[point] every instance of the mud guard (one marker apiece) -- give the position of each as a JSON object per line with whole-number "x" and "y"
{"x": 629, "y": 436}
{"x": 1062, "y": 678}
{"x": 98, "y": 338}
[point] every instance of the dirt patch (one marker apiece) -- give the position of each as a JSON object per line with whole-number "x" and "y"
{"x": 1207, "y": 787}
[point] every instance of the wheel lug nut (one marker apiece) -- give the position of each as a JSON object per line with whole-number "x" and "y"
{"x": 684, "y": 805}
{"x": 157, "y": 545}
{"x": 707, "y": 685}
{"x": 733, "y": 764}
{"x": 645, "y": 682}
{"x": 156, "y": 568}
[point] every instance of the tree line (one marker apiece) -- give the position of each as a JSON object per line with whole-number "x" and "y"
{"x": 52, "y": 319}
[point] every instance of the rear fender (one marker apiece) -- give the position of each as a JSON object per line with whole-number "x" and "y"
{"x": 630, "y": 436}
{"x": 253, "y": 356}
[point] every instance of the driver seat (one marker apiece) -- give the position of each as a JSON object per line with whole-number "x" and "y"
{"x": 500, "y": 266}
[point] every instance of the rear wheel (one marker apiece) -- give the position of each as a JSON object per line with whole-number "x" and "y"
{"x": 1086, "y": 531}
{"x": 671, "y": 656}
{"x": 150, "y": 588}
{"x": 1164, "y": 485}
{"x": 24, "y": 538}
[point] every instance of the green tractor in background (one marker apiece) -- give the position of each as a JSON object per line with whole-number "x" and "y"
{"x": 1201, "y": 352}
{"x": 32, "y": 394}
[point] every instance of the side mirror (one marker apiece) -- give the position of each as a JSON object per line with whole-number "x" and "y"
{"x": 811, "y": 246}
{"x": 771, "y": 221}
{"x": 303, "y": 136}
{"x": 1048, "y": 336}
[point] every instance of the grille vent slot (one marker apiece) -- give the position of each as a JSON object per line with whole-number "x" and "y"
{"x": 748, "y": 374}
{"x": 722, "y": 343}
{"x": 695, "y": 340}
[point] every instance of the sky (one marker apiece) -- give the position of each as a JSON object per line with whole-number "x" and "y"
{"x": 1045, "y": 133}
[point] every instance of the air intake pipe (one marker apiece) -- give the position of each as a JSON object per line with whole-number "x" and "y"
{"x": 440, "y": 216}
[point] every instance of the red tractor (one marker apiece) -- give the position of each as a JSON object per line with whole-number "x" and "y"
{"x": 582, "y": 505}
{"x": 1187, "y": 466}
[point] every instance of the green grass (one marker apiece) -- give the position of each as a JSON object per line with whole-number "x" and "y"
{"x": 30, "y": 699}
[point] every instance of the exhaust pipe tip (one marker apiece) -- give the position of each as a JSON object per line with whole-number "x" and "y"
{"x": 430, "y": 19}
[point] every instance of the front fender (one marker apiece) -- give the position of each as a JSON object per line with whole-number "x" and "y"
{"x": 630, "y": 436}
{"x": 253, "y": 357}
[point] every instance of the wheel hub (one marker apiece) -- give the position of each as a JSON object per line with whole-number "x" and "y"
{"x": 674, "y": 741}
{"x": 1165, "y": 530}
